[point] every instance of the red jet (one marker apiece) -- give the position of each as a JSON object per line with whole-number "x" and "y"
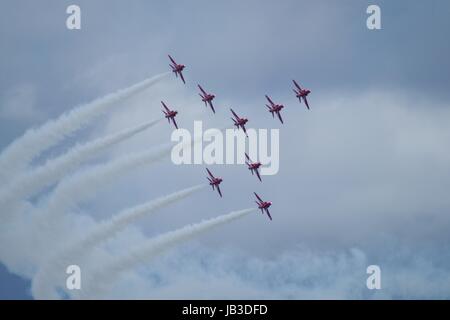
{"x": 239, "y": 122}
{"x": 253, "y": 166}
{"x": 274, "y": 108}
{"x": 170, "y": 114}
{"x": 263, "y": 205}
{"x": 177, "y": 68}
{"x": 207, "y": 98}
{"x": 301, "y": 93}
{"x": 214, "y": 182}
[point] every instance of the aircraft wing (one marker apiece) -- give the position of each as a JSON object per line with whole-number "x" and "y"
{"x": 268, "y": 214}
{"x": 257, "y": 174}
{"x": 297, "y": 85}
{"x": 211, "y": 105}
{"x": 210, "y": 174}
{"x": 218, "y": 190}
{"x": 279, "y": 116}
{"x": 268, "y": 99}
{"x": 201, "y": 89}
{"x": 245, "y": 130}
{"x": 306, "y": 102}
{"x": 175, "y": 123}
{"x": 182, "y": 78}
{"x": 247, "y": 157}
{"x": 234, "y": 114}
{"x": 258, "y": 197}
{"x": 165, "y": 107}
{"x": 171, "y": 59}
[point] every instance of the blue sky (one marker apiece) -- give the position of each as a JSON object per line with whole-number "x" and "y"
{"x": 365, "y": 170}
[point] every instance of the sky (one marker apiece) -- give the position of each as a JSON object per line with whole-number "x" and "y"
{"x": 363, "y": 175}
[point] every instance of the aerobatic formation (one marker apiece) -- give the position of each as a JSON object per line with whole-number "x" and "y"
{"x": 23, "y": 181}
{"x": 239, "y": 122}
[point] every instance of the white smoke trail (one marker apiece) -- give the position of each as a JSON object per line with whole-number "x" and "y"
{"x": 24, "y": 149}
{"x": 74, "y": 252}
{"x": 100, "y": 280}
{"x": 84, "y": 184}
{"x": 110, "y": 227}
{"x": 28, "y": 184}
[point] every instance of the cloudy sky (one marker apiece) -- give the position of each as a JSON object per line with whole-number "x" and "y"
{"x": 364, "y": 175}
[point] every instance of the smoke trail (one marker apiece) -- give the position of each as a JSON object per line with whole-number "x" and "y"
{"x": 29, "y": 183}
{"x": 49, "y": 219}
{"x": 22, "y": 151}
{"x": 84, "y": 184}
{"x": 150, "y": 249}
{"x": 110, "y": 227}
{"x": 43, "y": 281}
